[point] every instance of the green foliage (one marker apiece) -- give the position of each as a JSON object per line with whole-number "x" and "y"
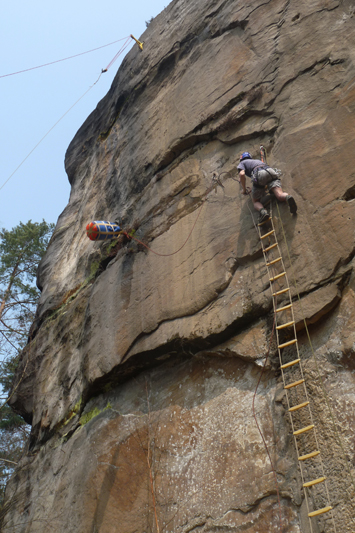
{"x": 21, "y": 250}
{"x": 73, "y": 412}
{"x": 94, "y": 267}
{"x": 91, "y": 414}
{"x": 10, "y": 420}
{"x": 147, "y": 22}
{"x": 7, "y": 372}
{"x": 14, "y": 433}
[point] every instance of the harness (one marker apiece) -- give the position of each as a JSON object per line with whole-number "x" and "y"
{"x": 255, "y": 177}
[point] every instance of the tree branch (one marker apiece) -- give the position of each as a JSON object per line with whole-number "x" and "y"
{"x": 8, "y": 340}
{"x": 7, "y": 461}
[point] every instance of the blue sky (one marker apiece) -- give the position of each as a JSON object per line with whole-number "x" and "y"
{"x": 38, "y": 32}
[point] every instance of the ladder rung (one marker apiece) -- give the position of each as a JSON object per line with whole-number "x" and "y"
{"x": 278, "y": 276}
{"x": 274, "y": 261}
{"x": 267, "y": 234}
{"x": 285, "y": 325}
{"x": 289, "y": 343}
{"x": 308, "y": 456}
{"x": 294, "y": 384}
{"x": 281, "y": 292}
{"x": 299, "y": 406}
{"x": 314, "y": 482}
{"x": 286, "y": 365}
{"x": 270, "y": 247}
{"x": 265, "y": 221}
{"x": 320, "y": 511}
{"x": 303, "y": 430}
{"x": 284, "y": 308}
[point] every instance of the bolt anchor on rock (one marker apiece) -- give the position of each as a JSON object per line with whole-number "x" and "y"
{"x": 138, "y": 42}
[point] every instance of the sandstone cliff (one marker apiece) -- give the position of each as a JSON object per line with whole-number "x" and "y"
{"x": 140, "y": 374}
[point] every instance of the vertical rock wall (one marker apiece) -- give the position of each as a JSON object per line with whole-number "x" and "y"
{"x": 140, "y": 377}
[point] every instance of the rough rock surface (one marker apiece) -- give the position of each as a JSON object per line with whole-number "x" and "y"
{"x": 141, "y": 371}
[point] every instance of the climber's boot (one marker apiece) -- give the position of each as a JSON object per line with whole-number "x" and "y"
{"x": 291, "y": 204}
{"x": 263, "y": 215}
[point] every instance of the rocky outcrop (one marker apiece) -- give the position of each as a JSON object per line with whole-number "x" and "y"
{"x": 140, "y": 376}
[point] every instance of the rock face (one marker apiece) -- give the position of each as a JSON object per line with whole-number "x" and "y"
{"x": 142, "y": 371}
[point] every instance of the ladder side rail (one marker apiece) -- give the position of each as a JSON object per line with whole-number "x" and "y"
{"x": 304, "y": 384}
{"x": 314, "y": 513}
{"x": 269, "y": 264}
{"x": 305, "y": 392}
{"x": 280, "y": 358}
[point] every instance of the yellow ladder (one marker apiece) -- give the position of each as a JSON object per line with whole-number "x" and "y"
{"x": 302, "y": 424}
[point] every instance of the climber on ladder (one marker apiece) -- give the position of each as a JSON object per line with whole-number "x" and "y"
{"x": 262, "y": 175}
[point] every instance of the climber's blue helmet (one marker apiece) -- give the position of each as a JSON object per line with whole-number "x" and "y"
{"x": 245, "y": 155}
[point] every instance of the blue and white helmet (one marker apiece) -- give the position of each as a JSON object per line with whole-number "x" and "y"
{"x": 245, "y": 155}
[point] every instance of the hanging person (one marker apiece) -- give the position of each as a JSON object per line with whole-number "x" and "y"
{"x": 262, "y": 175}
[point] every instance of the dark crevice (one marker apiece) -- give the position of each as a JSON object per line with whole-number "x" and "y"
{"x": 307, "y": 70}
{"x": 118, "y": 107}
{"x": 342, "y": 280}
{"x": 340, "y": 264}
{"x": 185, "y": 347}
{"x": 314, "y": 13}
{"x": 348, "y": 259}
{"x": 233, "y": 25}
{"x": 179, "y": 349}
{"x": 179, "y": 213}
{"x": 338, "y": 61}
{"x": 194, "y": 138}
{"x": 110, "y": 253}
{"x": 165, "y": 67}
{"x": 247, "y": 136}
{"x": 253, "y": 94}
{"x": 242, "y": 261}
{"x": 218, "y": 290}
{"x": 349, "y": 194}
{"x": 215, "y": 12}
{"x": 183, "y": 145}
{"x": 158, "y": 73}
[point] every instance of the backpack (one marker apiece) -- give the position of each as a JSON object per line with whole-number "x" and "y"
{"x": 262, "y": 176}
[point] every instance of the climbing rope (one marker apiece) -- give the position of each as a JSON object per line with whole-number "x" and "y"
{"x": 292, "y": 371}
{"x": 271, "y": 264}
{"x": 125, "y": 45}
{"x": 172, "y": 253}
{"x": 259, "y": 428}
{"x": 64, "y": 59}
{"x": 275, "y": 278}
{"x": 325, "y": 394}
{"x": 288, "y": 368}
{"x": 260, "y": 377}
{"x": 215, "y": 183}
{"x": 64, "y": 115}
{"x": 48, "y": 132}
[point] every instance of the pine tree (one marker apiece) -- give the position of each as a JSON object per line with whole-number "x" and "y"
{"x": 21, "y": 250}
